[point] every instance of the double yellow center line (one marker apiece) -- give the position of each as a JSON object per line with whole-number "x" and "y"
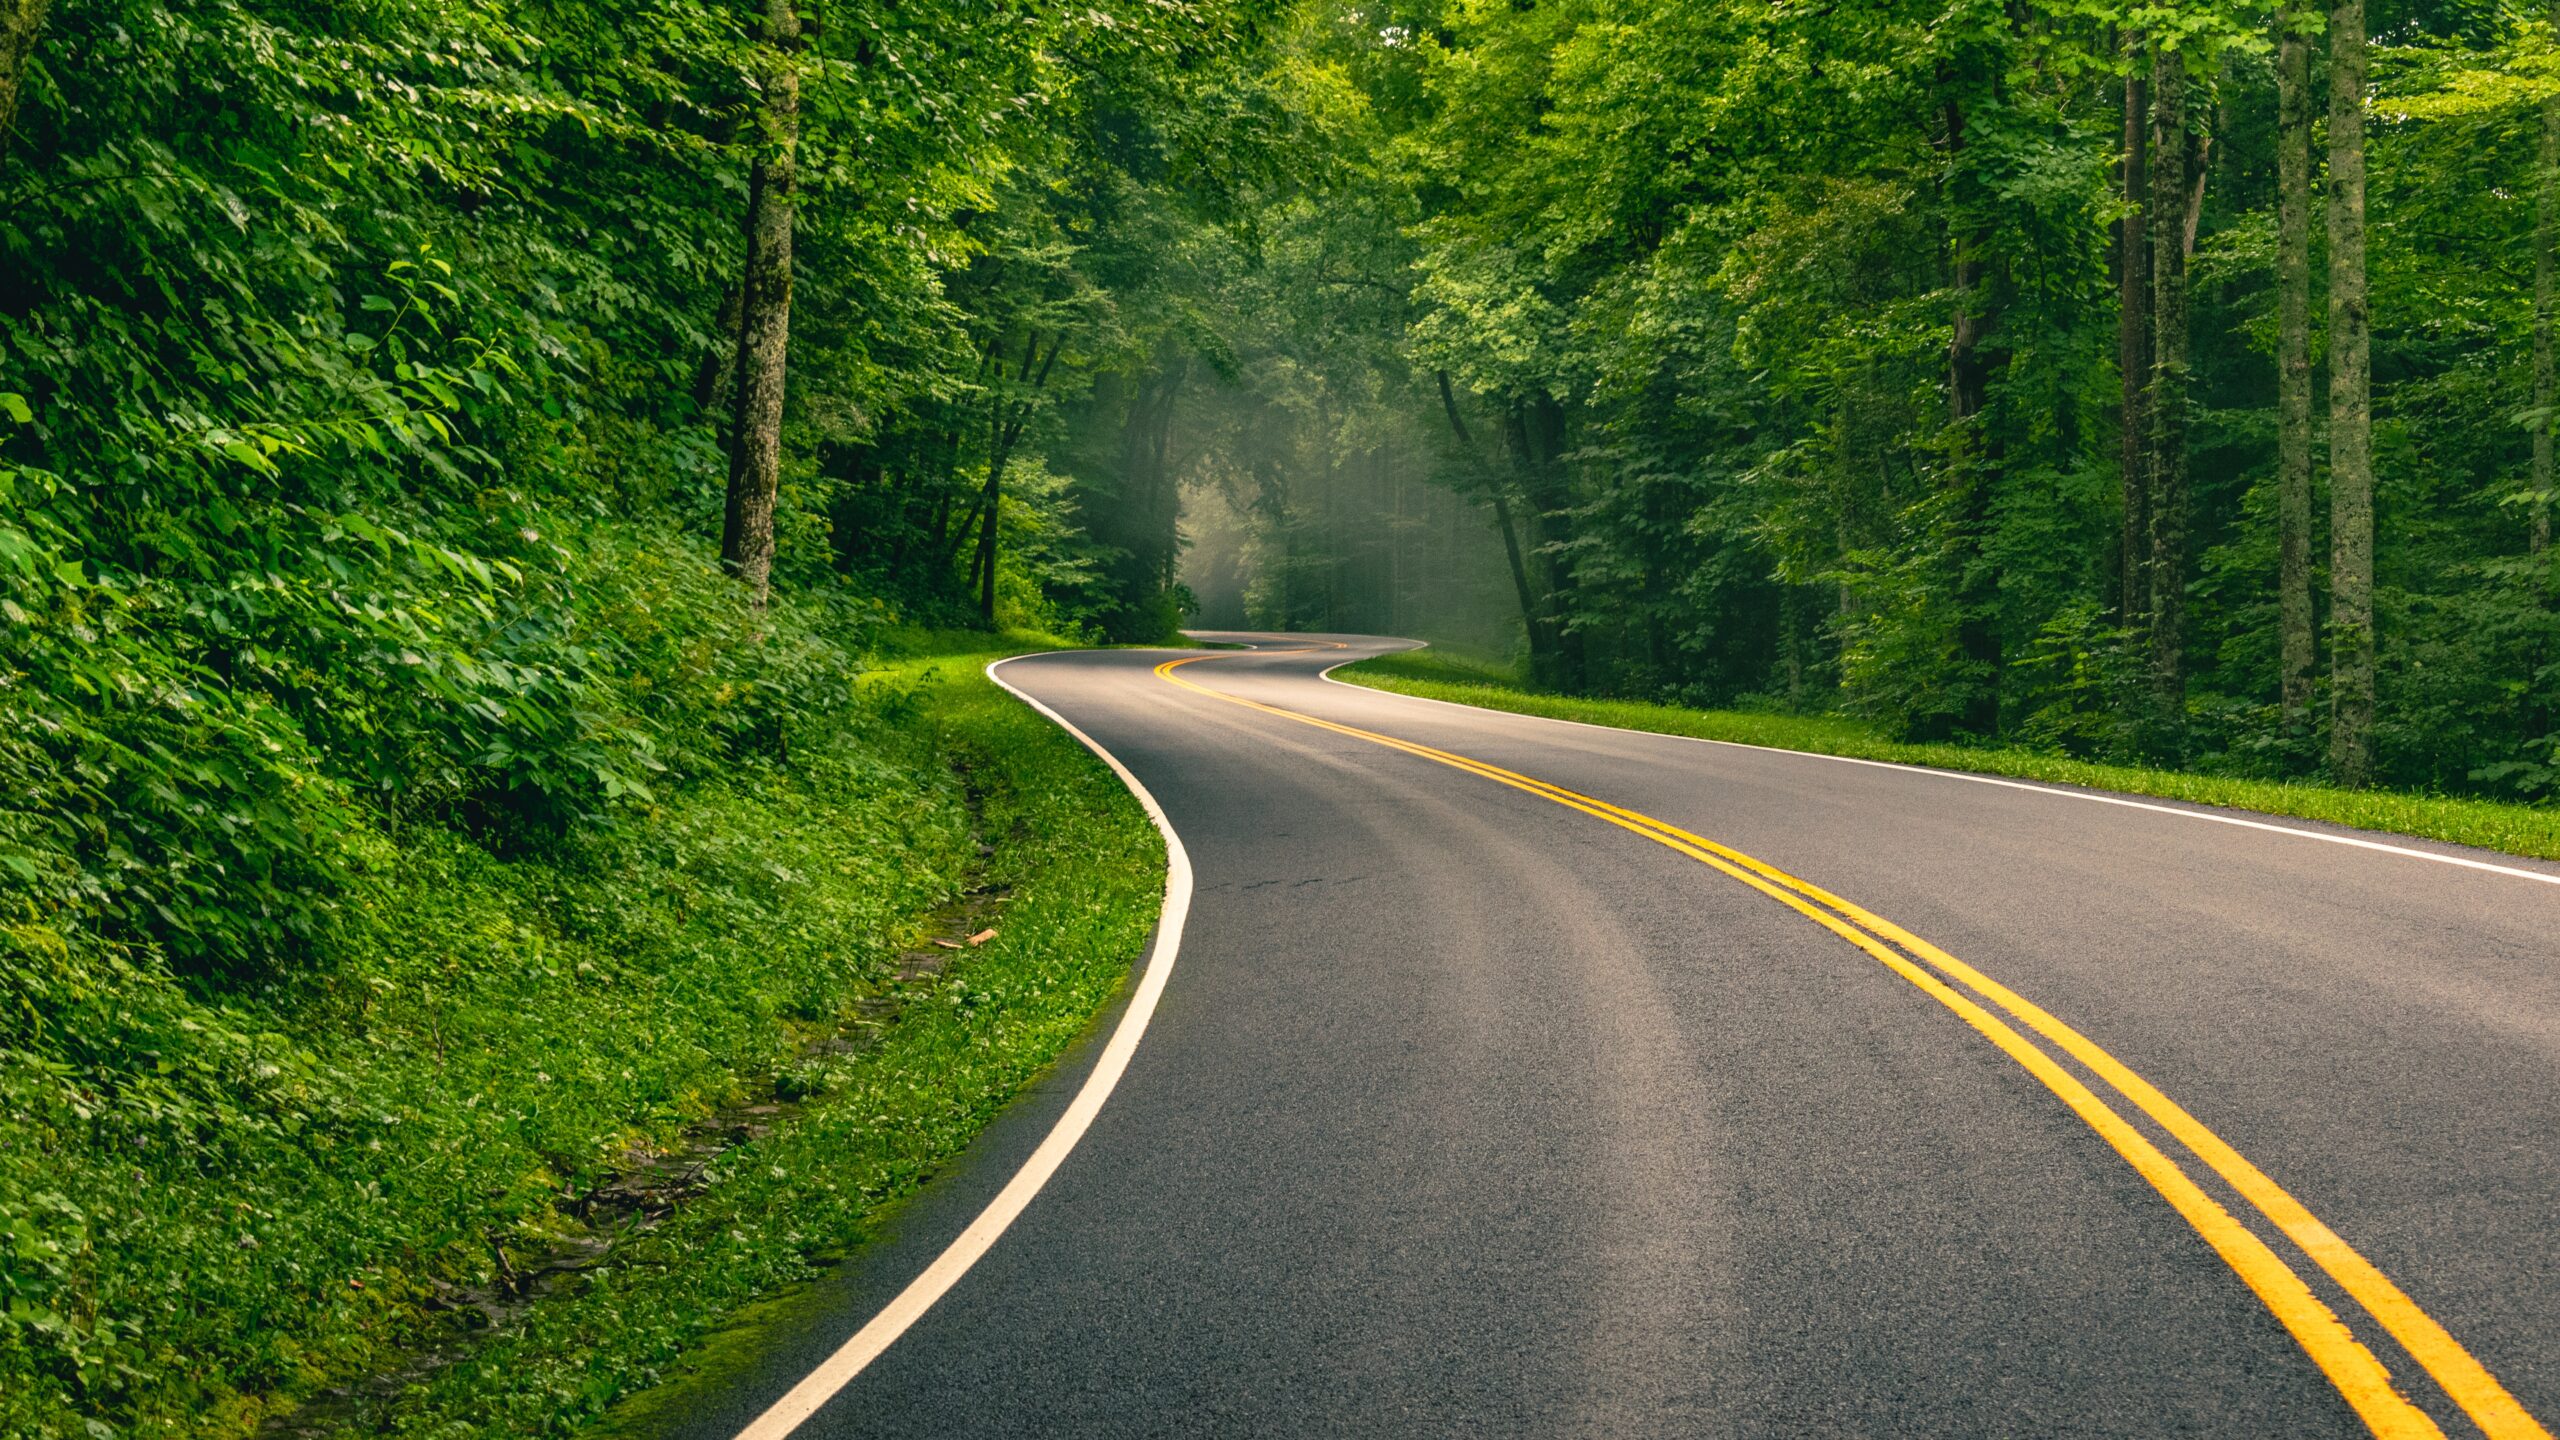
{"x": 2354, "y": 1369}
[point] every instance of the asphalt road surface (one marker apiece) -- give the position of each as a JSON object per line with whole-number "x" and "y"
{"x": 1474, "y": 1107}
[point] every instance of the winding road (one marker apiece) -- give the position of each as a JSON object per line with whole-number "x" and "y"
{"x": 1510, "y": 1077}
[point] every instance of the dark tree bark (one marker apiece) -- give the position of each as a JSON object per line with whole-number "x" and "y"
{"x": 1520, "y": 586}
{"x": 2351, "y": 641}
{"x": 2133, "y": 352}
{"x": 2167, "y": 402}
{"x": 990, "y": 506}
{"x": 764, "y": 327}
{"x": 2546, "y": 253}
{"x": 1968, "y": 391}
{"x": 2293, "y": 370}
{"x": 1143, "y": 522}
{"x": 866, "y": 484}
{"x": 1539, "y": 438}
{"x": 21, "y": 21}
{"x": 939, "y": 543}
{"x": 948, "y": 537}
{"x": 1395, "y": 548}
{"x": 1166, "y": 517}
{"x": 2199, "y": 170}
{"x": 1003, "y": 434}
{"x": 1532, "y": 614}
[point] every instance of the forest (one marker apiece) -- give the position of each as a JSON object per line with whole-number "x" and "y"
{"x": 2163, "y": 383}
{"x": 458, "y": 455}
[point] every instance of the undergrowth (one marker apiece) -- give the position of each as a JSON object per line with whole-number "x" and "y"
{"x": 1083, "y": 870}
{"x": 229, "y": 1184}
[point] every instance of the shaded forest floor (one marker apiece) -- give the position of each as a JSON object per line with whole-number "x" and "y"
{"x": 2525, "y": 830}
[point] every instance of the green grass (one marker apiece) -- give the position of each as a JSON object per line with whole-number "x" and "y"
{"x": 2516, "y": 829}
{"x": 893, "y": 645}
{"x": 314, "y": 1173}
{"x": 1085, "y": 871}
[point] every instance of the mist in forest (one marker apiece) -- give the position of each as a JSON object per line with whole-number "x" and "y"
{"x": 1325, "y": 521}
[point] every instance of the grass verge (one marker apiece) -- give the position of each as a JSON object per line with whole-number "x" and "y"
{"x": 2525, "y": 830}
{"x": 1083, "y": 872}
{"x": 402, "y": 1200}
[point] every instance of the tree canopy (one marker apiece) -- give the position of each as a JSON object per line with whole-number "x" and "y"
{"x": 1920, "y": 360}
{"x": 1924, "y": 361}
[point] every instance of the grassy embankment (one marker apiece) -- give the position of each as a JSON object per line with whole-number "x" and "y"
{"x": 589, "y": 1107}
{"x": 2516, "y": 829}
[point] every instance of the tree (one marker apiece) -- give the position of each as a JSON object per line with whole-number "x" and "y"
{"x": 358, "y": 465}
{"x": 2133, "y": 346}
{"x": 1780, "y": 341}
{"x": 2546, "y": 252}
{"x": 2351, "y": 638}
{"x": 1005, "y": 419}
{"x": 764, "y": 323}
{"x": 2293, "y": 369}
{"x": 1535, "y": 616}
{"x": 2166, "y": 404}
{"x": 1972, "y": 369}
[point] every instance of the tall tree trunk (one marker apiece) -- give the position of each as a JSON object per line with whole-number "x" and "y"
{"x": 2167, "y": 401}
{"x": 1145, "y": 520}
{"x": 948, "y": 537}
{"x": 1395, "y": 547}
{"x": 2350, "y": 412}
{"x": 21, "y": 21}
{"x": 1538, "y": 427}
{"x": 1968, "y": 391}
{"x": 1288, "y": 571}
{"x": 1003, "y": 434}
{"x": 2293, "y": 370}
{"x": 1168, "y": 484}
{"x": 764, "y": 328}
{"x": 1325, "y": 510}
{"x": 2199, "y": 170}
{"x": 982, "y": 561}
{"x": 1541, "y": 650}
{"x": 1533, "y": 618}
{"x": 942, "y": 546}
{"x": 2546, "y": 253}
{"x": 2133, "y": 351}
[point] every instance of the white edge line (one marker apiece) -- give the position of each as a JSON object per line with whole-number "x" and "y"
{"x": 910, "y": 1304}
{"x": 2517, "y": 872}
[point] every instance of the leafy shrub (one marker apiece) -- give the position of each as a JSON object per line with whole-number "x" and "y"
{"x": 2080, "y": 688}
{"x": 324, "y": 1158}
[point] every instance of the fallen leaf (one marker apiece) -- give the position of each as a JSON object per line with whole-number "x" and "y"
{"x": 948, "y": 944}
{"x": 982, "y": 937}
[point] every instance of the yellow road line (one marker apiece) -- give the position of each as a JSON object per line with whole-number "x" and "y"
{"x": 2358, "y": 1374}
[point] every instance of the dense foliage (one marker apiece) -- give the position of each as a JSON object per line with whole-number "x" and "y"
{"x": 1784, "y": 347}
{"x": 326, "y": 329}
{"x": 378, "y": 729}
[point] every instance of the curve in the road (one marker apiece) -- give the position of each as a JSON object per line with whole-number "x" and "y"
{"x": 909, "y": 1305}
{"x": 2359, "y": 1376}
